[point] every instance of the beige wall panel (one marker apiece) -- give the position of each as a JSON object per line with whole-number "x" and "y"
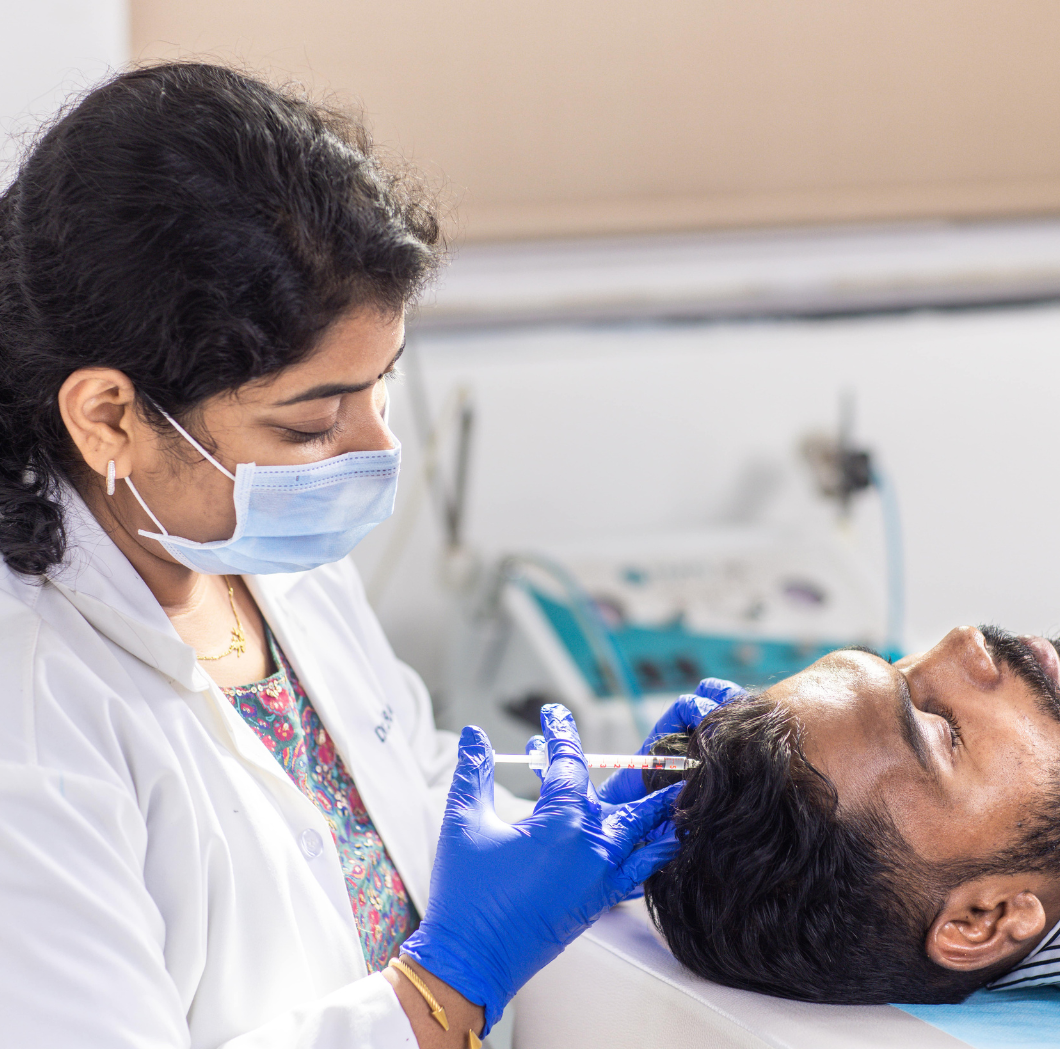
{"x": 585, "y": 116}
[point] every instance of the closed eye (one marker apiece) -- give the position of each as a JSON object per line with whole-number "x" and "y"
{"x": 309, "y": 436}
{"x": 950, "y": 718}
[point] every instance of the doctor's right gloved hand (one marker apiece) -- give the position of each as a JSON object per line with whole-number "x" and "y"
{"x": 507, "y": 898}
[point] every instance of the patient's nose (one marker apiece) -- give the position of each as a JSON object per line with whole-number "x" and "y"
{"x": 959, "y": 660}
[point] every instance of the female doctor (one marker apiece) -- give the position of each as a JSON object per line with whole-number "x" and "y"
{"x": 220, "y": 792}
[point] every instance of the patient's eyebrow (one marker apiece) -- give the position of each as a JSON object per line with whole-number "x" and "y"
{"x": 867, "y": 650}
{"x": 911, "y": 730}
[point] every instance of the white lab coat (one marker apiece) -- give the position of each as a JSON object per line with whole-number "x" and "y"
{"x": 163, "y": 883}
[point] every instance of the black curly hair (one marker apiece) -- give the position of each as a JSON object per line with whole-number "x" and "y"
{"x": 195, "y": 228}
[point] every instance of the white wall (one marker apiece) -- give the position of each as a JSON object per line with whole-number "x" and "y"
{"x": 48, "y": 50}
{"x": 592, "y": 431}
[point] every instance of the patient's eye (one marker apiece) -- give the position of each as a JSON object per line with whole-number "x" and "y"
{"x": 944, "y": 712}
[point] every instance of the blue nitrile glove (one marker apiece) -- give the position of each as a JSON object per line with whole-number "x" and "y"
{"x": 507, "y": 898}
{"x": 538, "y": 743}
{"x": 688, "y": 711}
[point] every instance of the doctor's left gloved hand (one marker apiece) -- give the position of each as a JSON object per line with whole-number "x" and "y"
{"x": 507, "y": 898}
{"x": 682, "y": 716}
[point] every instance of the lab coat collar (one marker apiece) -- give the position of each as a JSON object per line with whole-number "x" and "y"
{"x": 101, "y": 583}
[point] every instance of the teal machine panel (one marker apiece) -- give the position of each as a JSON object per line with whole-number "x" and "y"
{"x": 672, "y": 658}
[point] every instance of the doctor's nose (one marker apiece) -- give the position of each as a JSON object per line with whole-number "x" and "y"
{"x": 371, "y": 430}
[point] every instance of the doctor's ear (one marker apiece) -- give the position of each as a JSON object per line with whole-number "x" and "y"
{"x": 98, "y": 406}
{"x": 986, "y": 922}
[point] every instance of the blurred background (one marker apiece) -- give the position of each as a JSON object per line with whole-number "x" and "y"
{"x": 749, "y": 345}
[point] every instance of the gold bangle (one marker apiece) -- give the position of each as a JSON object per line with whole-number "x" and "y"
{"x": 432, "y": 1003}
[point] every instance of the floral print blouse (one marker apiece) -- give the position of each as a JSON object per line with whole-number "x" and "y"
{"x": 279, "y": 711}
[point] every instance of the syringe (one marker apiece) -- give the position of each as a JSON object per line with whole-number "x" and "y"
{"x": 538, "y": 759}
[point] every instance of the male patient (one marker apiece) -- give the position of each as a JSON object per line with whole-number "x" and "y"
{"x": 865, "y": 833}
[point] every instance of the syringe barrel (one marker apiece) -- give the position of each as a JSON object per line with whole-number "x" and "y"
{"x": 671, "y": 762}
{"x": 538, "y": 759}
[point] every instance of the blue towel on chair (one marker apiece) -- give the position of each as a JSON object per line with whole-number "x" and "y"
{"x": 1027, "y": 1019}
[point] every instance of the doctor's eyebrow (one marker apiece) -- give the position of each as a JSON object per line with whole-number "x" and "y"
{"x": 336, "y": 389}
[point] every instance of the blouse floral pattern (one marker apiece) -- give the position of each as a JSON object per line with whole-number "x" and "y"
{"x": 279, "y": 711}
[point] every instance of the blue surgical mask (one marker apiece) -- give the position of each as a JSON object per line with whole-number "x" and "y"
{"x": 290, "y": 518}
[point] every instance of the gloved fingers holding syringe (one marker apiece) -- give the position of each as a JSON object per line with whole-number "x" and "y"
{"x": 626, "y": 783}
{"x": 633, "y": 765}
{"x": 507, "y": 898}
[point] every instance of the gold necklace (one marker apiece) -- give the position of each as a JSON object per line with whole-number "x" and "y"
{"x": 239, "y": 639}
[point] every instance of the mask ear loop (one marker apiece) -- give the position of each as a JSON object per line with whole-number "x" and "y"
{"x": 195, "y": 444}
{"x": 147, "y": 510}
{"x": 198, "y": 447}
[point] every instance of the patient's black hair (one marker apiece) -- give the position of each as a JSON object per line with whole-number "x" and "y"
{"x": 776, "y": 890}
{"x": 195, "y": 228}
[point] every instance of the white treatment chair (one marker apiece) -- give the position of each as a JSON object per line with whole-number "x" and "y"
{"x": 618, "y": 986}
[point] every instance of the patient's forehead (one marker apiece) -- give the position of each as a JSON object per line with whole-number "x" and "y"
{"x": 835, "y": 687}
{"x": 845, "y": 710}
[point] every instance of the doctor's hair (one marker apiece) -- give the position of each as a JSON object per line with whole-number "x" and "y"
{"x": 196, "y": 229}
{"x": 775, "y": 889}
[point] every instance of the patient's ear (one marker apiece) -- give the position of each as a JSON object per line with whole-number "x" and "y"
{"x": 986, "y": 922}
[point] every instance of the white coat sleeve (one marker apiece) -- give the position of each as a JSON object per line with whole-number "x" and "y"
{"x": 82, "y": 942}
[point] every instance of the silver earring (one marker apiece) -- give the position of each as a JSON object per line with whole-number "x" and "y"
{"x": 110, "y": 477}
